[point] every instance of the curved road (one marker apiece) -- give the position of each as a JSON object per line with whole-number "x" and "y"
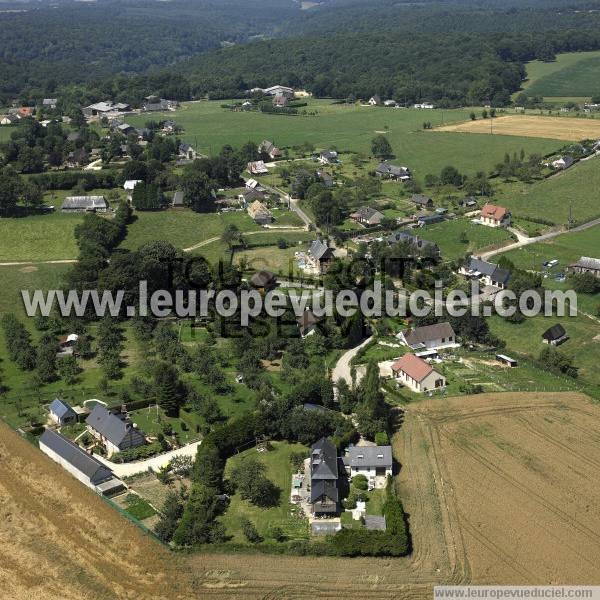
{"x": 343, "y": 367}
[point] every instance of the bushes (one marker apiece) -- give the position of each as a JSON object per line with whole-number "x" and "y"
{"x": 18, "y": 342}
{"x": 360, "y": 482}
{"x": 382, "y": 438}
{"x": 139, "y": 453}
{"x": 362, "y": 542}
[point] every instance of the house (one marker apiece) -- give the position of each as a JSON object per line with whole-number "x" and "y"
{"x": 320, "y": 255}
{"x": 277, "y": 90}
{"x": 84, "y": 204}
{"x": 494, "y": 216}
{"x": 129, "y": 186}
{"x": 177, "y": 201}
{"x": 387, "y": 171}
{"x": 429, "y": 337}
{"x": 417, "y": 374}
{"x": 270, "y": 149}
{"x": 586, "y": 265}
{"x": 125, "y": 128}
{"x": 326, "y": 178}
{"x": 328, "y": 158}
{"x": 253, "y": 184}
{"x": 169, "y": 126}
{"x": 280, "y": 101}
{"x": 307, "y": 323}
{"x": 424, "y": 105}
{"x": 61, "y": 412}
{"x": 375, "y": 100}
{"x": 156, "y": 104}
{"x": 83, "y": 466}
{"x": 470, "y": 202}
{"x": 49, "y": 103}
{"x": 257, "y": 167}
{"x": 390, "y": 103}
{"x": 486, "y": 272}
{"x": 555, "y": 335}
{"x": 324, "y": 475}
{"x": 422, "y": 201}
{"x": 417, "y": 242}
{"x": 374, "y": 462}
{"x": 9, "y": 119}
{"x": 423, "y": 220}
{"x": 186, "y": 151}
{"x": 251, "y": 195}
{"x": 260, "y": 213}
{"x": 105, "y": 108}
{"x": 25, "y": 111}
{"x": 564, "y": 162}
{"x": 114, "y": 430}
{"x": 67, "y": 343}
{"x": 367, "y": 216}
{"x": 263, "y": 281}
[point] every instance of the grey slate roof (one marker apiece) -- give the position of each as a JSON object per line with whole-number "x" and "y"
{"x": 490, "y": 269}
{"x": 178, "y": 198}
{"x": 61, "y": 409}
{"x": 319, "y": 250}
{"x": 323, "y": 488}
{"x": 385, "y": 168}
{"x": 585, "y": 262}
{"x": 370, "y": 456}
{"x": 306, "y": 322}
{"x": 415, "y": 240}
{"x": 87, "y": 464}
{"x": 429, "y": 333}
{"x": 84, "y": 203}
{"x": 323, "y": 461}
{"x": 421, "y": 200}
{"x": 110, "y": 426}
{"x": 262, "y": 278}
{"x": 554, "y": 333}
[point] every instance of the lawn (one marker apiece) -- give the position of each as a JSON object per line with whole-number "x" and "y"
{"x": 38, "y": 237}
{"x": 279, "y": 471}
{"x": 447, "y": 236}
{"x": 352, "y": 128}
{"x": 572, "y": 74}
{"x": 182, "y": 228}
{"x": 138, "y": 508}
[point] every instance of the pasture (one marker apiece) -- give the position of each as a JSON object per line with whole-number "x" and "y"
{"x": 208, "y": 126}
{"x": 531, "y": 126}
{"x": 573, "y": 74}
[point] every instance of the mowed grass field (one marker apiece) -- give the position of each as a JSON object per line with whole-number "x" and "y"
{"x": 558, "y": 128}
{"x": 38, "y": 237}
{"x": 549, "y": 199}
{"x": 573, "y": 74}
{"x": 351, "y": 128}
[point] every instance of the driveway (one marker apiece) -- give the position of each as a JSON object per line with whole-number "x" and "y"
{"x": 156, "y": 462}
{"x": 343, "y": 368}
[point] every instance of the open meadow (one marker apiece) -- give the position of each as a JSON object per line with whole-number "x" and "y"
{"x": 488, "y": 482}
{"x": 208, "y": 127}
{"x": 557, "y": 128}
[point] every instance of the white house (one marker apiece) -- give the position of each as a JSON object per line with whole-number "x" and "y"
{"x": 417, "y": 374}
{"x": 494, "y": 216}
{"x": 61, "y": 412}
{"x": 83, "y": 466}
{"x": 564, "y": 162}
{"x": 430, "y": 337}
{"x": 114, "y": 430}
{"x": 375, "y": 100}
{"x": 328, "y": 158}
{"x": 487, "y": 273}
{"x": 374, "y": 462}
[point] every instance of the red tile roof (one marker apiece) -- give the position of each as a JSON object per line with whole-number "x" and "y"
{"x": 491, "y": 211}
{"x": 413, "y": 366}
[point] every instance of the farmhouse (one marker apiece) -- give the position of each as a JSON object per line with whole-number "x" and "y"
{"x": 9, "y": 119}
{"x": 251, "y": 195}
{"x": 422, "y": 201}
{"x": 105, "y": 108}
{"x": 586, "y": 265}
{"x": 186, "y": 151}
{"x": 49, "y": 103}
{"x": 375, "y": 100}
{"x": 387, "y": 171}
{"x": 367, "y": 216}
{"x": 324, "y": 493}
{"x": 374, "y": 462}
{"x": 84, "y": 204}
{"x": 85, "y": 467}
{"x": 263, "y": 281}
{"x": 555, "y": 335}
{"x": 417, "y": 374}
{"x": 325, "y": 178}
{"x": 269, "y": 148}
{"x": 487, "y": 273}
{"x": 260, "y": 213}
{"x": 564, "y": 162}
{"x": 328, "y": 158}
{"x": 320, "y": 255}
{"x": 114, "y": 430}
{"x": 417, "y": 242}
{"x": 307, "y": 323}
{"x": 430, "y": 337}
{"x": 25, "y": 111}
{"x": 156, "y": 104}
{"x": 257, "y": 167}
{"x": 494, "y": 216}
{"x": 61, "y": 412}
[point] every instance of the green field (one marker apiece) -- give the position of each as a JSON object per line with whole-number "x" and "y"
{"x": 279, "y": 471}
{"x": 447, "y": 236}
{"x": 37, "y": 238}
{"x": 351, "y": 128}
{"x": 549, "y": 199}
{"x": 574, "y": 74}
{"x": 5, "y": 131}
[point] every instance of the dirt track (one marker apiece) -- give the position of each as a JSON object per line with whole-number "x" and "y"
{"x": 556, "y": 128}
{"x": 500, "y": 488}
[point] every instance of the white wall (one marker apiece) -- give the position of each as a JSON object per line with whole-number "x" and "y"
{"x": 67, "y": 466}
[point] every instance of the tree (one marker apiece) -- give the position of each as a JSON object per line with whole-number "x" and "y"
{"x": 250, "y": 532}
{"x": 380, "y": 146}
{"x": 68, "y": 369}
{"x": 451, "y": 176}
{"x": 249, "y": 478}
{"x": 46, "y": 359}
{"x": 168, "y": 388}
{"x": 10, "y": 187}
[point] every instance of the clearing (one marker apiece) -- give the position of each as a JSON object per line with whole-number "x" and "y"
{"x": 530, "y": 126}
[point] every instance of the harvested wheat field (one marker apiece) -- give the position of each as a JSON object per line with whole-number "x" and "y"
{"x": 499, "y": 487}
{"x": 556, "y": 128}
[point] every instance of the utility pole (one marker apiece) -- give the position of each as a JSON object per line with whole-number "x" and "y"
{"x": 570, "y": 225}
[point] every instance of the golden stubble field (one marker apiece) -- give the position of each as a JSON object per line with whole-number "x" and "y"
{"x": 500, "y": 488}
{"x": 557, "y": 128}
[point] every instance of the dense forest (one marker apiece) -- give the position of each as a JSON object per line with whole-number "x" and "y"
{"x": 450, "y": 52}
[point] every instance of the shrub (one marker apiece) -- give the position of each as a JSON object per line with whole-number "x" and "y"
{"x": 360, "y": 482}
{"x": 382, "y": 438}
{"x": 250, "y": 532}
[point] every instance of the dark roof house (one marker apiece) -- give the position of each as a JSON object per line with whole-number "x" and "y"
{"x": 263, "y": 280}
{"x": 422, "y": 201}
{"x": 430, "y": 336}
{"x": 388, "y": 171}
{"x": 324, "y": 494}
{"x": 114, "y": 428}
{"x": 555, "y": 335}
{"x": 61, "y": 412}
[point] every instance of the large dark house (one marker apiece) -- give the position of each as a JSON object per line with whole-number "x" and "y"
{"x": 324, "y": 475}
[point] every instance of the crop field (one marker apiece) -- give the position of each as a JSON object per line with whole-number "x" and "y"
{"x": 573, "y": 74}
{"x": 488, "y": 482}
{"x": 531, "y": 126}
{"x": 351, "y": 128}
